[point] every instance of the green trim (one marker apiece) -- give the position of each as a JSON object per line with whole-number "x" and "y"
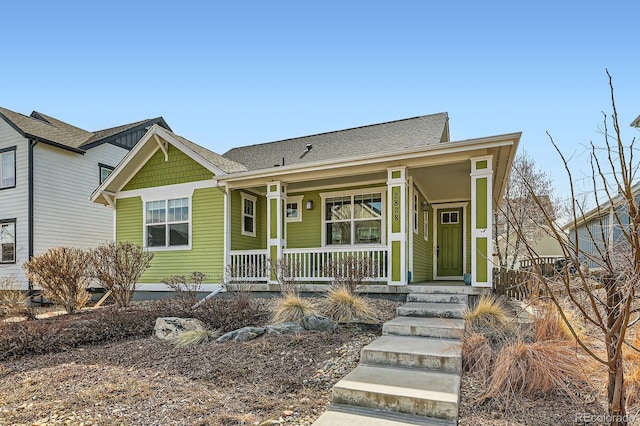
{"x": 273, "y": 188}
{"x": 481, "y": 203}
{"x": 179, "y": 168}
{"x": 395, "y": 261}
{"x": 273, "y": 220}
{"x": 396, "y": 174}
{"x": 482, "y": 165}
{"x": 245, "y": 242}
{"x": 396, "y": 209}
{"x": 481, "y": 260}
{"x": 273, "y": 256}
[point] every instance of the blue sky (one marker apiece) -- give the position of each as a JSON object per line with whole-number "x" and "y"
{"x": 225, "y": 74}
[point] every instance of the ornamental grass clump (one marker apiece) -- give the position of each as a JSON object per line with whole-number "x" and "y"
{"x": 477, "y": 355}
{"x": 195, "y": 337}
{"x": 549, "y": 325}
{"x": 341, "y": 305}
{"x": 292, "y": 307}
{"x": 63, "y": 274}
{"x": 490, "y": 314}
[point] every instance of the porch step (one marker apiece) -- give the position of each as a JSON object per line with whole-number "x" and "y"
{"x": 437, "y": 298}
{"x": 446, "y": 289}
{"x": 448, "y": 328}
{"x": 432, "y": 310}
{"x": 359, "y": 416}
{"x": 409, "y": 391}
{"x": 414, "y": 352}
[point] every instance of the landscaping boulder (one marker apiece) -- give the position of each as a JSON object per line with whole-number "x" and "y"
{"x": 317, "y": 323}
{"x": 168, "y": 328}
{"x": 243, "y": 334}
{"x": 285, "y": 328}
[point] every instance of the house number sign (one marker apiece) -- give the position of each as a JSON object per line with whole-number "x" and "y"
{"x": 396, "y": 206}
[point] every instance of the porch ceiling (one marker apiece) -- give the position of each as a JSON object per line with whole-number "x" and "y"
{"x": 450, "y": 182}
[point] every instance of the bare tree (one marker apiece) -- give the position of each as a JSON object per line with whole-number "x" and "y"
{"x": 519, "y": 217}
{"x": 608, "y": 304}
{"x": 118, "y": 266}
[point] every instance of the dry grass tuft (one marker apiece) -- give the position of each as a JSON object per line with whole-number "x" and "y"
{"x": 477, "y": 355}
{"x": 12, "y": 300}
{"x": 195, "y": 337}
{"x": 341, "y": 305}
{"x": 632, "y": 372}
{"x": 534, "y": 369}
{"x": 291, "y": 307}
{"x": 489, "y": 314}
{"x": 549, "y": 325}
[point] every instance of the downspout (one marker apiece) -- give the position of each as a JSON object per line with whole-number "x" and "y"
{"x": 32, "y": 144}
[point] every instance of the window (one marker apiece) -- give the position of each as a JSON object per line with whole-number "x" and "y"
{"x": 248, "y": 215}
{"x": 415, "y": 212}
{"x": 105, "y": 171}
{"x": 353, "y": 219}
{"x": 294, "y": 209}
{"x": 449, "y": 218}
{"x": 8, "y": 167}
{"x": 426, "y": 225}
{"x": 8, "y": 241}
{"x": 167, "y": 223}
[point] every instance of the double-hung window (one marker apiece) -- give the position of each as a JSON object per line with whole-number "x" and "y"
{"x": 167, "y": 223}
{"x": 8, "y": 241}
{"x": 248, "y": 215}
{"x": 8, "y": 167}
{"x": 353, "y": 219}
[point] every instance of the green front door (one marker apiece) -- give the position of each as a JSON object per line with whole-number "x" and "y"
{"x": 449, "y": 250}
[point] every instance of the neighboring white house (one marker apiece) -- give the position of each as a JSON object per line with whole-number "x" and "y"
{"x": 48, "y": 170}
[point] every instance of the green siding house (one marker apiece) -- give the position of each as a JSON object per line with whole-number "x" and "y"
{"x": 401, "y": 194}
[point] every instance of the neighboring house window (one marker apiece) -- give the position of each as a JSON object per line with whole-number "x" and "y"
{"x": 426, "y": 225}
{"x": 8, "y": 167}
{"x": 415, "y": 213}
{"x": 353, "y": 219}
{"x": 248, "y": 215}
{"x": 294, "y": 209}
{"x": 105, "y": 171}
{"x": 8, "y": 241}
{"x": 167, "y": 223}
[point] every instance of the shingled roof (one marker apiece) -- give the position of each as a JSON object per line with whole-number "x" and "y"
{"x": 47, "y": 129}
{"x": 217, "y": 160}
{"x": 390, "y": 136}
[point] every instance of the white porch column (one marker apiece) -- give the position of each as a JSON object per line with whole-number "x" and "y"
{"x": 227, "y": 234}
{"x": 276, "y": 199}
{"x": 481, "y": 217}
{"x": 397, "y": 212}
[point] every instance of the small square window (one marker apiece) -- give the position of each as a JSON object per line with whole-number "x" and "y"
{"x": 293, "y": 212}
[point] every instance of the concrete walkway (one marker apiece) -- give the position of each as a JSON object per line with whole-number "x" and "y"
{"x": 411, "y": 374}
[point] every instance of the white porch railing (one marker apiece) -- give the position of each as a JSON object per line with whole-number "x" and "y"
{"x": 311, "y": 264}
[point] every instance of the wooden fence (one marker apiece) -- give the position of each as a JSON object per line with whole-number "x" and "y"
{"x": 515, "y": 284}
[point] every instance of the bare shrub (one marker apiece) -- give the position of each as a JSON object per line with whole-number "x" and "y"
{"x": 341, "y": 305}
{"x": 350, "y": 271}
{"x": 287, "y": 273}
{"x": 230, "y": 313}
{"x": 63, "y": 274}
{"x": 186, "y": 289}
{"x": 534, "y": 369}
{"x": 12, "y": 300}
{"x": 293, "y": 307}
{"x": 118, "y": 266}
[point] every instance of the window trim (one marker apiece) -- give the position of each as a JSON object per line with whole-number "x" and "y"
{"x": 425, "y": 218}
{"x": 244, "y": 196}
{"x": 107, "y": 167}
{"x": 15, "y": 241}
{"x": 15, "y": 168}
{"x": 416, "y": 200}
{"x": 296, "y": 199}
{"x": 167, "y": 247}
{"x": 352, "y": 193}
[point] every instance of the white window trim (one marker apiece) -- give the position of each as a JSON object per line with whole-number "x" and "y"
{"x": 416, "y": 201}
{"x": 425, "y": 217}
{"x": 167, "y": 247}
{"x": 244, "y": 196}
{"x": 7, "y": 151}
{"x": 295, "y": 199}
{"x": 383, "y": 197}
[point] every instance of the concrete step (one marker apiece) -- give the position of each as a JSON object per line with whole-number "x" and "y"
{"x": 409, "y": 391}
{"x": 437, "y": 298}
{"x": 446, "y": 289}
{"x": 414, "y": 352}
{"x": 447, "y": 328}
{"x": 432, "y": 310}
{"x": 339, "y": 415}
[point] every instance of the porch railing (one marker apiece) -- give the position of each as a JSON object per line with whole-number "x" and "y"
{"x": 311, "y": 265}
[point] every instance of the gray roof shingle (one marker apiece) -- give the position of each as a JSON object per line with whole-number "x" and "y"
{"x": 224, "y": 164}
{"x": 376, "y": 138}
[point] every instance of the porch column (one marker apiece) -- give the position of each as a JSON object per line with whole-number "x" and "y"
{"x": 397, "y": 224}
{"x": 276, "y": 197}
{"x": 481, "y": 216}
